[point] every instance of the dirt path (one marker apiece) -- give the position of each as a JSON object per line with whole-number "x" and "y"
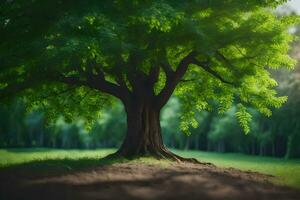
{"x": 141, "y": 181}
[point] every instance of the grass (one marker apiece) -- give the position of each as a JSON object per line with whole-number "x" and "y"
{"x": 58, "y": 160}
{"x": 286, "y": 172}
{"x": 13, "y": 157}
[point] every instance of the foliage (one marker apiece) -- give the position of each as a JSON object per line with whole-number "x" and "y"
{"x": 80, "y": 48}
{"x": 244, "y": 117}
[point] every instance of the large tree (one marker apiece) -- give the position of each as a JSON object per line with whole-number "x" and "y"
{"x": 141, "y": 52}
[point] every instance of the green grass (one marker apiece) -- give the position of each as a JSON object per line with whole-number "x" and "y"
{"x": 286, "y": 172}
{"x": 58, "y": 160}
{"x": 11, "y": 157}
{"x": 52, "y": 161}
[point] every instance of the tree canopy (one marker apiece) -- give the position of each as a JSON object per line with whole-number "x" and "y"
{"x": 60, "y": 54}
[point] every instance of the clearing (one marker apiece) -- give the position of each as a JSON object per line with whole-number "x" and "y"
{"x": 82, "y": 174}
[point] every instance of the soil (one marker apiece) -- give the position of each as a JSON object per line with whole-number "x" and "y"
{"x": 143, "y": 181}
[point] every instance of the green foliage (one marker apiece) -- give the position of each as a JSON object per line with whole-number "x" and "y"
{"x": 224, "y": 128}
{"x": 21, "y": 129}
{"x": 44, "y": 40}
{"x": 244, "y": 118}
{"x": 109, "y": 130}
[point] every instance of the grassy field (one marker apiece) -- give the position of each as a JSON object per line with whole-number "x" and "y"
{"x": 286, "y": 172}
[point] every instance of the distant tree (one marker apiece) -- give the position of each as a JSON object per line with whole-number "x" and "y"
{"x": 107, "y": 132}
{"x": 65, "y": 55}
{"x": 36, "y": 129}
{"x": 12, "y": 125}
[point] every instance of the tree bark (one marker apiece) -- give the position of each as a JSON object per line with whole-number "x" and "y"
{"x": 143, "y": 135}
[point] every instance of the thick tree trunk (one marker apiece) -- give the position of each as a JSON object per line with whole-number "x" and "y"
{"x": 143, "y": 137}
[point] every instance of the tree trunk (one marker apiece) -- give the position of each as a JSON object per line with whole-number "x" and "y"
{"x": 143, "y": 131}
{"x": 187, "y": 143}
{"x": 197, "y": 143}
{"x": 143, "y": 137}
{"x": 289, "y": 145}
{"x": 273, "y": 148}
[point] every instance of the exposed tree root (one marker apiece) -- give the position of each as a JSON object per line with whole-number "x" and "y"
{"x": 172, "y": 156}
{"x": 162, "y": 153}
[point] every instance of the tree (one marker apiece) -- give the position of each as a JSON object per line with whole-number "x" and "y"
{"x": 141, "y": 52}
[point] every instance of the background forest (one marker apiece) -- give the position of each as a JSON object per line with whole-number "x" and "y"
{"x": 277, "y": 135}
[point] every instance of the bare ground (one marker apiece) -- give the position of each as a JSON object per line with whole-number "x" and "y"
{"x": 143, "y": 181}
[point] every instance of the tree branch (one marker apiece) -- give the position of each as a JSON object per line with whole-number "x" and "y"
{"x": 187, "y": 80}
{"x": 173, "y": 78}
{"x": 205, "y": 66}
{"x": 153, "y": 75}
{"x": 97, "y": 82}
{"x": 222, "y": 57}
{"x": 10, "y": 90}
{"x": 133, "y": 75}
{"x": 55, "y": 94}
{"x": 167, "y": 68}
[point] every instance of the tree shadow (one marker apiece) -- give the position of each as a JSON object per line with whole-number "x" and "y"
{"x": 162, "y": 184}
{"x": 98, "y": 178}
{"x": 54, "y": 167}
{"x": 46, "y": 150}
{"x": 30, "y": 150}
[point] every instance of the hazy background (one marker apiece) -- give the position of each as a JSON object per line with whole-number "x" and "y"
{"x": 294, "y": 4}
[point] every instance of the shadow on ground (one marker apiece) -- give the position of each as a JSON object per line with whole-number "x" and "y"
{"x": 89, "y": 179}
{"x": 51, "y": 167}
